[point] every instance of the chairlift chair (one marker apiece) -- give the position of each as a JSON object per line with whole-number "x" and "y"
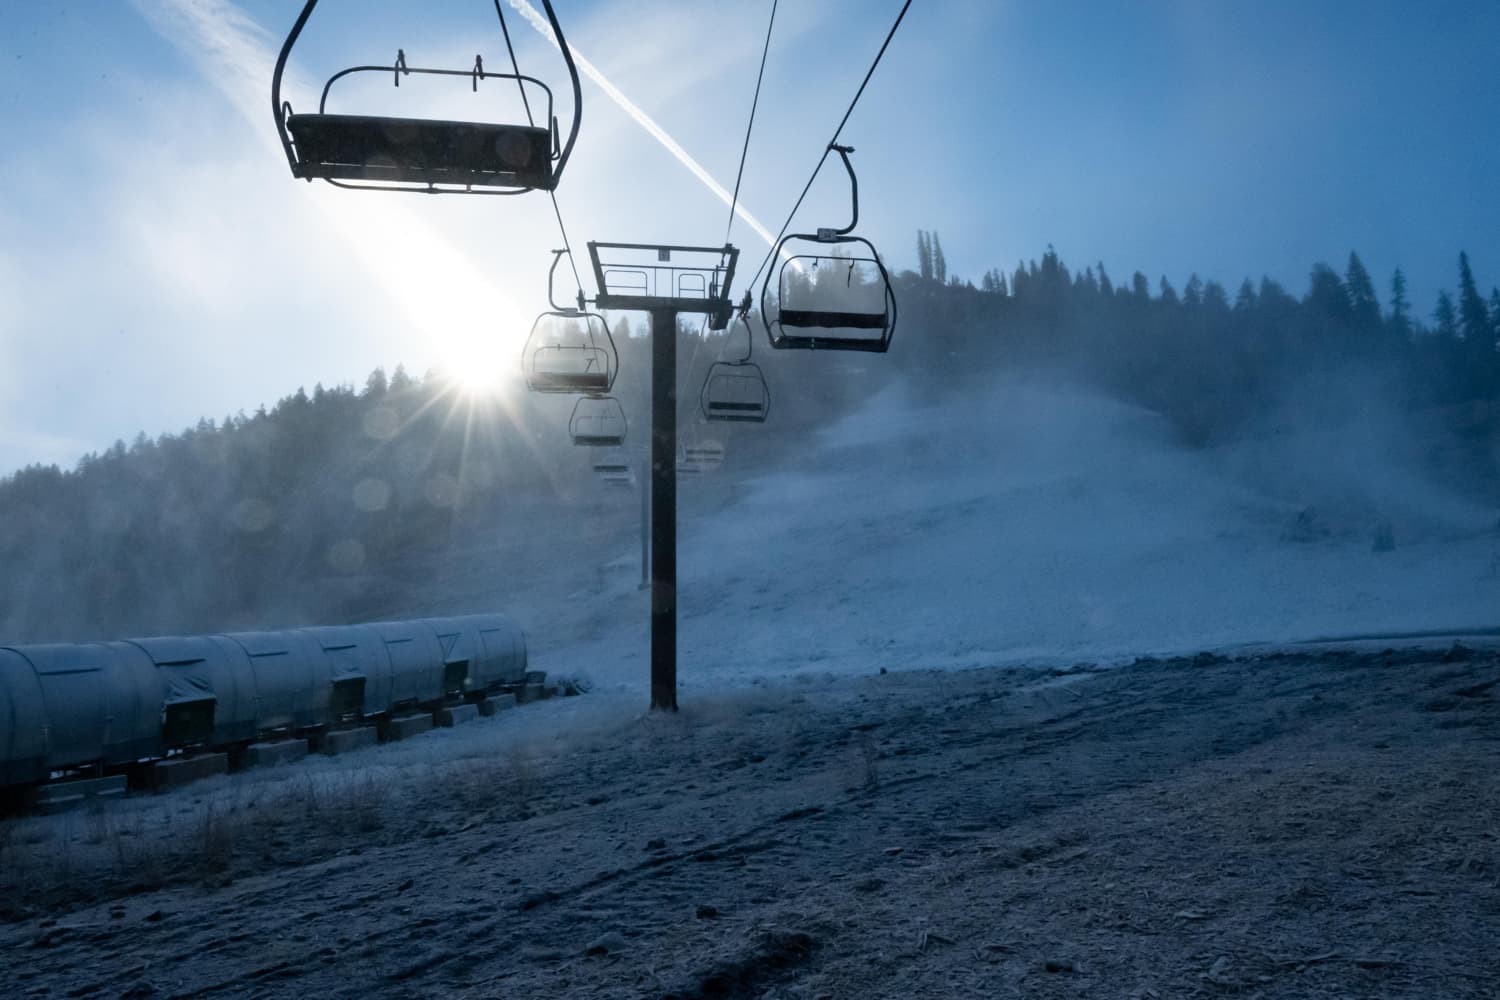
{"x": 432, "y": 156}
{"x": 736, "y": 391}
{"x": 569, "y": 350}
{"x": 613, "y": 465}
{"x": 818, "y": 304}
{"x": 699, "y": 456}
{"x": 598, "y": 422}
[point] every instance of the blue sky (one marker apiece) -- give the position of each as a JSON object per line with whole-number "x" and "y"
{"x": 159, "y": 263}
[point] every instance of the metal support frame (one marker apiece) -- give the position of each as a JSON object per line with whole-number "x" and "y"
{"x": 664, "y": 508}
{"x": 663, "y": 305}
{"x": 643, "y": 482}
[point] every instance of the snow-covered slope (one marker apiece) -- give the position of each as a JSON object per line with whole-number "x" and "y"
{"x": 1047, "y": 524}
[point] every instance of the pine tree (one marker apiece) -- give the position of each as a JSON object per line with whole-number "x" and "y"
{"x": 1326, "y": 295}
{"x": 1446, "y": 316}
{"x": 1400, "y": 307}
{"x": 939, "y": 262}
{"x": 1363, "y": 305}
{"x": 1168, "y": 293}
{"x": 1192, "y": 292}
{"x": 1495, "y": 309}
{"x": 1245, "y": 300}
{"x": 1271, "y": 292}
{"x": 1106, "y": 286}
{"x": 924, "y": 255}
{"x": 1473, "y": 317}
{"x": 1140, "y": 285}
{"x": 1085, "y": 282}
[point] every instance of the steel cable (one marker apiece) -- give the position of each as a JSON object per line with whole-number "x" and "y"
{"x": 750, "y": 125}
{"x": 831, "y": 143}
{"x": 556, "y": 211}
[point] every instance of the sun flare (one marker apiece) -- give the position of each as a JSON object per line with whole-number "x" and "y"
{"x": 481, "y": 367}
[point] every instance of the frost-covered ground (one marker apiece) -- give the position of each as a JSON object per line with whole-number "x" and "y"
{"x": 986, "y": 818}
{"x": 1308, "y": 825}
{"x": 1043, "y": 524}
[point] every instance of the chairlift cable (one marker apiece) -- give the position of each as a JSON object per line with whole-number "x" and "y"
{"x": 697, "y": 343}
{"x": 831, "y": 143}
{"x": 754, "y": 102}
{"x": 568, "y": 246}
{"x": 516, "y": 69}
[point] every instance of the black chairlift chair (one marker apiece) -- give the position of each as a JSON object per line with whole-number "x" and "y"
{"x": 825, "y": 300}
{"x": 427, "y": 155}
{"x": 569, "y": 349}
{"x": 598, "y": 422}
{"x": 696, "y": 457}
{"x": 613, "y": 465}
{"x": 570, "y": 352}
{"x": 736, "y": 391}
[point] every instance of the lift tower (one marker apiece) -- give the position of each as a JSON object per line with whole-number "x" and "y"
{"x": 664, "y": 281}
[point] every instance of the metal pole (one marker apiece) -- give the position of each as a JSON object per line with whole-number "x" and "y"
{"x": 643, "y": 483}
{"x": 664, "y": 509}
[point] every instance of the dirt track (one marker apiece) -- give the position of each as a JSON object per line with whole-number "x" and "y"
{"x": 1306, "y": 825}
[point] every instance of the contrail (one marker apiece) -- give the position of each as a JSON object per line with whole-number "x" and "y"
{"x": 535, "y": 18}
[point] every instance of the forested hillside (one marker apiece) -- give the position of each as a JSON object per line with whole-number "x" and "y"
{"x": 334, "y": 505}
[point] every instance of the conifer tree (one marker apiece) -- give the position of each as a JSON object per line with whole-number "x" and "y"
{"x": 1473, "y": 317}
{"x": 1400, "y": 307}
{"x": 924, "y": 255}
{"x": 1192, "y": 292}
{"x": 1364, "y": 307}
{"x": 1326, "y": 295}
{"x": 1446, "y": 316}
{"x": 1086, "y": 281}
{"x": 1105, "y": 285}
{"x": 1168, "y": 293}
{"x": 939, "y": 262}
{"x": 1141, "y": 286}
{"x": 1244, "y": 301}
{"x": 1271, "y": 291}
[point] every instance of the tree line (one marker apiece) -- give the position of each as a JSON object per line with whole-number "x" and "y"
{"x": 338, "y": 504}
{"x": 1211, "y": 361}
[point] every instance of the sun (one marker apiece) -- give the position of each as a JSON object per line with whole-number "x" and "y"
{"x": 480, "y": 357}
{"x": 482, "y": 375}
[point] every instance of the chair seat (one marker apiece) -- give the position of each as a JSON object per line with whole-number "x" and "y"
{"x": 871, "y": 345}
{"x": 570, "y": 382}
{"x": 421, "y": 151}
{"x": 727, "y": 412}
{"x": 599, "y": 440}
{"x": 833, "y": 320}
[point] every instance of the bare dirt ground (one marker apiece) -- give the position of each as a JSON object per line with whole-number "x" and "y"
{"x": 1318, "y": 824}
